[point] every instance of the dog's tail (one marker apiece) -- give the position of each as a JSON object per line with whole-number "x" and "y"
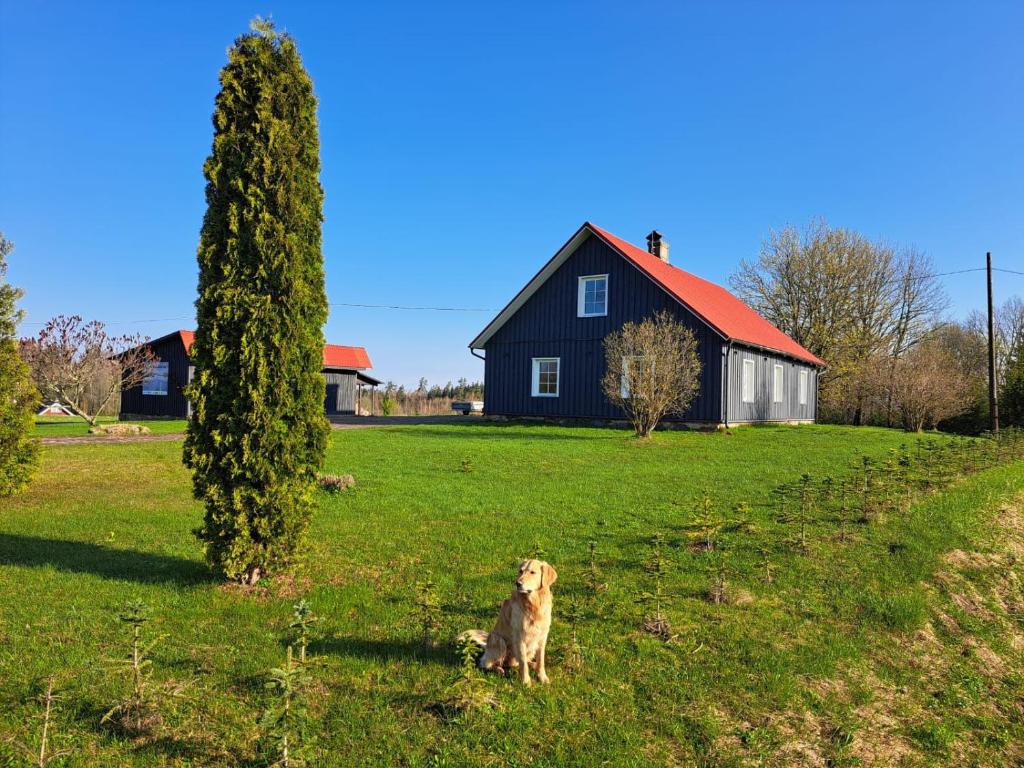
{"x": 477, "y": 636}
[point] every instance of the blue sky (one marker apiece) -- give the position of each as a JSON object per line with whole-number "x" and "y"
{"x": 462, "y": 143}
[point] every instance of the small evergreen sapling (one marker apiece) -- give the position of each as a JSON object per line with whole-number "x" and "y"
{"x": 428, "y": 607}
{"x": 286, "y": 721}
{"x": 42, "y": 757}
{"x": 654, "y": 621}
{"x": 303, "y": 619}
{"x": 593, "y": 577}
{"x": 574, "y": 653}
{"x": 136, "y": 714}
{"x": 470, "y": 691}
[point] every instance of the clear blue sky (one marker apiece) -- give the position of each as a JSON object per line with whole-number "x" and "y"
{"x": 463, "y": 143}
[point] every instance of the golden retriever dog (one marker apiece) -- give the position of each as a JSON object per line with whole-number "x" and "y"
{"x": 520, "y": 637}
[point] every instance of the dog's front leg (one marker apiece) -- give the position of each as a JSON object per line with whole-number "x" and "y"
{"x": 542, "y": 674}
{"x": 524, "y": 662}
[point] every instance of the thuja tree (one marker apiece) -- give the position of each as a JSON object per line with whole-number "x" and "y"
{"x": 19, "y": 453}
{"x": 257, "y": 434}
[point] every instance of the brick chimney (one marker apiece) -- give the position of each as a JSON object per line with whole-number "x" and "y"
{"x": 657, "y": 246}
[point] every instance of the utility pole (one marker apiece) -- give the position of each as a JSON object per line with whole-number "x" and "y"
{"x": 993, "y": 402}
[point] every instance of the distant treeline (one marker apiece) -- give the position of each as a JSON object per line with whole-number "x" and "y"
{"x": 396, "y": 400}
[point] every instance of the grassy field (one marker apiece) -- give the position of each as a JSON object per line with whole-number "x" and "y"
{"x": 70, "y": 426}
{"x": 901, "y": 643}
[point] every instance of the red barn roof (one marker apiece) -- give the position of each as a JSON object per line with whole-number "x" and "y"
{"x": 345, "y": 357}
{"x": 335, "y": 355}
{"x": 721, "y": 310}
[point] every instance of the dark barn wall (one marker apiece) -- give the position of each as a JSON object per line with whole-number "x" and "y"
{"x": 763, "y": 409}
{"x": 343, "y": 383}
{"x": 547, "y": 326}
{"x": 173, "y": 404}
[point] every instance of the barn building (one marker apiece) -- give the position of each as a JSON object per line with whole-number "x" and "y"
{"x": 544, "y": 353}
{"x": 162, "y": 395}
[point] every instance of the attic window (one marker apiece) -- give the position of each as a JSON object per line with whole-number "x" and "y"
{"x": 592, "y": 299}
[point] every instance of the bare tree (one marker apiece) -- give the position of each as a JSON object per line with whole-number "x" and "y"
{"x": 929, "y": 386}
{"x": 855, "y": 303}
{"x": 652, "y": 370}
{"x": 83, "y": 367}
{"x": 1009, "y": 333}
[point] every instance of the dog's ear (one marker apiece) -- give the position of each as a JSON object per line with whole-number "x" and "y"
{"x": 548, "y": 575}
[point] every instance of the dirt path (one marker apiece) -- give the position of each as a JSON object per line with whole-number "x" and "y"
{"x": 91, "y": 439}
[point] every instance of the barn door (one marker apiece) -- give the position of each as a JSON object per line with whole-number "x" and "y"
{"x": 331, "y": 405}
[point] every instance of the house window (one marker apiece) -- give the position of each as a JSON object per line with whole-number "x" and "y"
{"x": 156, "y": 384}
{"x": 545, "y": 377}
{"x": 803, "y": 387}
{"x": 777, "y": 384}
{"x": 748, "y": 381}
{"x": 592, "y": 300}
{"x": 632, "y": 367}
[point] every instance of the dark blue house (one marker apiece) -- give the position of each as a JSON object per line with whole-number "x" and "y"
{"x": 544, "y": 356}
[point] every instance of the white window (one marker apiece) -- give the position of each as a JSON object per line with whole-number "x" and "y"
{"x": 156, "y": 384}
{"x": 803, "y": 388}
{"x": 592, "y": 299}
{"x": 545, "y": 377}
{"x": 777, "y": 384}
{"x": 631, "y": 367}
{"x": 749, "y": 371}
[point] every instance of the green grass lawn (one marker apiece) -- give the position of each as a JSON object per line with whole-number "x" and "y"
{"x": 901, "y": 643}
{"x": 72, "y": 426}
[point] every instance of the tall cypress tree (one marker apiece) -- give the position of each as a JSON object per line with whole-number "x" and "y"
{"x": 19, "y": 453}
{"x": 257, "y": 434}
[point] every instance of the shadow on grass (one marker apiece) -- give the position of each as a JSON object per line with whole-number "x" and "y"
{"x": 106, "y": 562}
{"x": 386, "y": 650}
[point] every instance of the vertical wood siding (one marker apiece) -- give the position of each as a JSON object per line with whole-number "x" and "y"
{"x": 547, "y": 326}
{"x": 173, "y": 404}
{"x": 346, "y": 391}
{"x": 763, "y": 409}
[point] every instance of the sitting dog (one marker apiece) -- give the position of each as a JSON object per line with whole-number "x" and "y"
{"x": 520, "y": 637}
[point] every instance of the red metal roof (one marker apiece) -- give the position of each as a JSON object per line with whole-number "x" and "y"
{"x": 345, "y": 357}
{"x": 712, "y": 303}
{"x": 335, "y": 355}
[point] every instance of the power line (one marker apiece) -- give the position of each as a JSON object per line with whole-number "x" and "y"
{"x": 422, "y": 309}
{"x": 410, "y": 308}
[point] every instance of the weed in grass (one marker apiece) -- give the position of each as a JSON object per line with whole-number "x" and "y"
{"x": 43, "y": 756}
{"x": 655, "y": 622}
{"x": 765, "y": 552}
{"x": 467, "y": 465}
{"x": 335, "y": 483}
{"x": 286, "y": 721}
{"x": 428, "y": 605}
{"x": 538, "y": 552}
{"x": 303, "y": 619}
{"x": 137, "y": 714}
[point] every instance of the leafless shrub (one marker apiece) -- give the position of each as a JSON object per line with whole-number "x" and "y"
{"x": 80, "y": 365}
{"x": 928, "y": 386}
{"x": 652, "y": 370}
